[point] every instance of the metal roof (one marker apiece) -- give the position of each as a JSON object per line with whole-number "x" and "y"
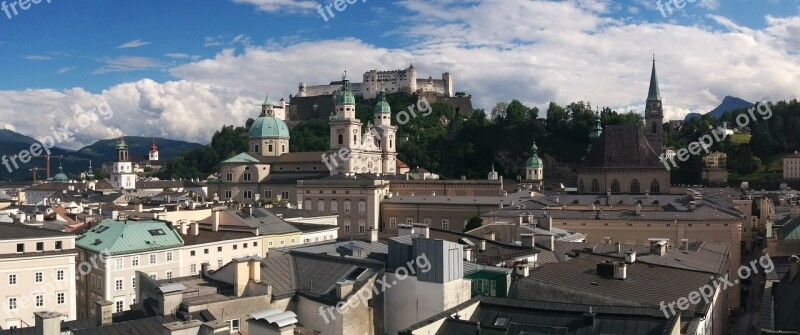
{"x": 127, "y": 237}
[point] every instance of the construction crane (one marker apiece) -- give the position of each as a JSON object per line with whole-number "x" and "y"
{"x": 35, "y": 171}
{"x": 47, "y": 157}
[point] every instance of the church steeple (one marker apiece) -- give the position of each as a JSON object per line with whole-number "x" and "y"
{"x": 597, "y": 129}
{"x": 654, "y": 93}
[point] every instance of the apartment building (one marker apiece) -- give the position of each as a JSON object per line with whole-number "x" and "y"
{"x": 37, "y": 271}
{"x": 113, "y": 251}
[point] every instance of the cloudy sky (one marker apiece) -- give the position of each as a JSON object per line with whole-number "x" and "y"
{"x": 183, "y": 68}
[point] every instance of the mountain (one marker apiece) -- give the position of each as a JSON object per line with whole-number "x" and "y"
{"x": 75, "y": 162}
{"x": 728, "y": 104}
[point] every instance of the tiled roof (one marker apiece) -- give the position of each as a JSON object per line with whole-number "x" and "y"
{"x": 10, "y": 231}
{"x": 126, "y": 237}
{"x": 646, "y": 284}
{"x": 622, "y": 146}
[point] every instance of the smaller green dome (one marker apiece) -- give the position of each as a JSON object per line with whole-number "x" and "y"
{"x": 382, "y": 106}
{"x": 121, "y": 145}
{"x": 269, "y": 127}
{"x": 345, "y": 96}
{"x": 535, "y": 161}
{"x": 60, "y": 177}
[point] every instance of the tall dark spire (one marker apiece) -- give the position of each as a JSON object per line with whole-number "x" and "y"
{"x": 654, "y": 93}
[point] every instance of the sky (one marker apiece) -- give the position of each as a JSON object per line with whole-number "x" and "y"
{"x": 181, "y": 69}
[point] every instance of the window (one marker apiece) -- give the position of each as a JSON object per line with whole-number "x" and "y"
{"x": 39, "y": 299}
{"x": 191, "y": 253}
{"x": 269, "y": 148}
{"x": 308, "y": 205}
{"x": 268, "y": 194}
{"x": 655, "y": 187}
{"x": 427, "y": 221}
{"x": 39, "y": 246}
{"x": 169, "y": 256}
{"x": 283, "y": 242}
{"x": 219, "y": 263}
{"x": 205, "y": 251}
{"x": 269, "y": 243}
{"x": 248, "y": 176}
{"x": 334, "y": 207}
{"x": 135, "y": 261}
{"x": 118, "y": 285}
{"x": 118, "y": 263}
{"x": 12, "y": 303}
{"x": 119, "y": 305}
{"x": 37, "y": 277}
{"x": 284, "y": 195}
{"x": 228, "y": 195}
{"x": 60, "y": 275}
{"x": 60, "y": 298}
{"x": 635, "y": 186}
{"x": 169, "y": 274}
{"x": 248, "y": 194}
{"x": 255, "y": 244}
{"x": 362, "y": 207}
{"x": 153, "y": 276}
{"x": 393, "y": 222}
{"x": 321, "y": 205}
{"x": 347, "y": 206}
{"x": 58, "y": 245}
{"x": 347, "y": 225}
{"x": 445, "y": 224}
{"x": 409, "y": 220}
{"x": 341, "y": 139}
{"x": 595, "y": 186}
{"x": 235, "y": 246}
{"x": 233, "y": 325}
{"x": 20, "y": 247}
{"x": 193, "y": 268}
{"x": 615, "y": 186}
{"x": 12, "y": 279}
{"x": 229, "y": 177}
{"x": 133, "y": 282}
{"x": 580, "y": 186}
{"x": 153, "y": 259}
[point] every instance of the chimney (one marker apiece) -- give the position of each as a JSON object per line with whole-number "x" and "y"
{"x": 184, "y": 227}
{"x": 215, "y": 223}
{"x": 630, "y": 257}
{"x": 195, "y": 227}
{"x": 489, "y": 235}
{"x": 685, "y": 244}
{"x": 373, "y": 234}
{"x": 103, "y": 311}
{"x": 241, "y": 277}
{"x": 468, "y": 253}
{"x": 545, "y": 222}
{"x": 343, "y": 288}
{"x": 523, "y": 270}
{"x": 620, "y": 270}
{"x": 404, "y": 230}
{"x": 527, "y": 240}
{"x": 557, "y": 198}
{"x": 658, "y": 248}
{"x": 482, "y": 245}
{"x": 619, "y": 248}
{"x": 139, "y": 208}
{"x": 548, "y": 241}
{"x": 47, "y": 323}
{"x": 255, "y": 270}
{"x": 114, "y": 214}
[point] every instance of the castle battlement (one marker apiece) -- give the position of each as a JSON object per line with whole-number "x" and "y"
{"x": 391, "y": 81}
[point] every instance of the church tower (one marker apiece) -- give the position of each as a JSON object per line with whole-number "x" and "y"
{"x": 654, "y": 114}
{"x": 387, "y": 134}
{"x": 122, "y": 176}
{"x": 153, "y": 156}
{"x": 345, "y": 127}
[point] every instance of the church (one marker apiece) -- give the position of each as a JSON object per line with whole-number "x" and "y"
{"x": 624, "y": 158}
{"x": 269, "y": 170}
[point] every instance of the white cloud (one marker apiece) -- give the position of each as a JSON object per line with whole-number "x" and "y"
{"x": 127, "y": 63}
{"x": 37, "y": 57}
{"x": 133, "y": 44}
{"x": 64, "y": 70}
{"x": 272, "y": 6}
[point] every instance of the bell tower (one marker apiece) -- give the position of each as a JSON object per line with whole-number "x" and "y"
{"x": 654, "y": 114}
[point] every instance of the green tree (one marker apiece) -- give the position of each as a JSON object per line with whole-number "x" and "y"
{"x": 473, "y": 223}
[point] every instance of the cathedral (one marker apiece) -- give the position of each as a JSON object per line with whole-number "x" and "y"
{"x": 625, "y": 159}
{"x": 269, "y": 170}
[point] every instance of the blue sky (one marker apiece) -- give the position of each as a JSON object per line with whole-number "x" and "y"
{"x": 181, "y": 68}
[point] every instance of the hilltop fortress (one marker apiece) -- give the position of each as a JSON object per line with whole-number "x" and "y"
{"x": 392, "y": 81}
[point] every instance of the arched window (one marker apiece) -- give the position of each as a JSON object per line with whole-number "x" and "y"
{"x": 615, "y": 186}
{"x": 595, "y": 186}
{"x": 341, "y": 139}
{"x": 655, "y": 128}
{"x": 580, "y": 186}
{"x": 655, "y": 187}
{"x": 635, "y": 186}
{"x": 354, "y": 139}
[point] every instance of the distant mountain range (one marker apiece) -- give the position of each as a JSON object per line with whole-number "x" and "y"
{"x": 728, "y": 104}
{"x": 77, "y": 161}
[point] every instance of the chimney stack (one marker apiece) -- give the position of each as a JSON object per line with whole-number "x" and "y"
{"x": 343, "y": 288}
{"x": 373, "y": 234}
{"x": 103, "y": 311}
{"x": 215, "y": 223}
{"x": 195, "y": 227}
{"x": 658, "y": 248}
{"x": 630, "y": 257}
{"x": 47, "y": 323}
{"x": 528, "y": 240}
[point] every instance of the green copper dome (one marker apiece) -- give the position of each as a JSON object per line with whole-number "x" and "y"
{"x": 345, "y": 96}
{"x": 535, "y": 161}
{"x": 269, "y": 127}
{"x": 597, "y": 129}
{"x": 382, "y": 106}
{"x": 121, "y": 145}
{"x": 60, "y": 177}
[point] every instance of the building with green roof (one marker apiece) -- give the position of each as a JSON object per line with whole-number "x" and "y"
{"x": 269, "y": 135}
